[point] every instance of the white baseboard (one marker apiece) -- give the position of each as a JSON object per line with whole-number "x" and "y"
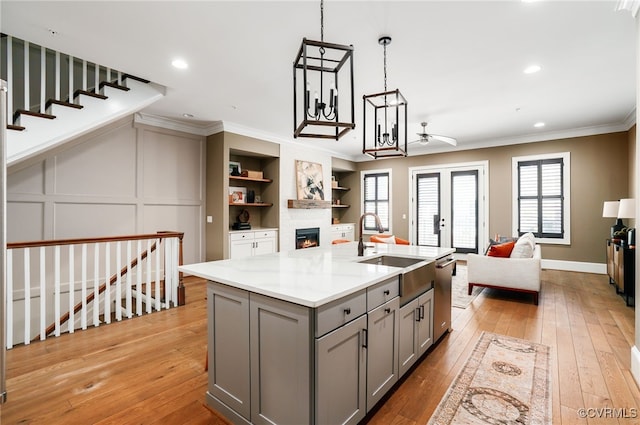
{"x": 635, "y": 364}
{"x": 574, "y": 266}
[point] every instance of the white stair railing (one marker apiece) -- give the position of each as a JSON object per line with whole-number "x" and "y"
{"x": 44, "y": 297}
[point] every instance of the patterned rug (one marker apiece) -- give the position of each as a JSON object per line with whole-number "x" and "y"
{"x": 459, "y": 288}
{"x": 505, "y": 381}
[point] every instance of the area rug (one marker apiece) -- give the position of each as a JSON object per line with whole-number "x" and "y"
{"x": 505, "y": 381}
{"x": 459, "y": 288}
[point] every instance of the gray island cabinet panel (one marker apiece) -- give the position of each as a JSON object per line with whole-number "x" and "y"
{"x": 280, "y": 339}
{"x": 228, "y": 347}
{"x": 416, "y": 330}
{"x": 382, "y": 350}
{"x": 341, "y": 374}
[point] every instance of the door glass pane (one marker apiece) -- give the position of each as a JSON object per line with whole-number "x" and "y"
{"x": 464, "y": 211}
{"x": 428, "y": 205}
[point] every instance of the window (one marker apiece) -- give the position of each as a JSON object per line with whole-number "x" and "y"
{"x": 541, "y": 197}
{"x": 376, "y": 198}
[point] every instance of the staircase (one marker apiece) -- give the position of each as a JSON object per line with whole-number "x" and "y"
{"x": 54, "y": 97}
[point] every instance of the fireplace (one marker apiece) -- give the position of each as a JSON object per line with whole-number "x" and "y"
{"x": 307, "y": 238}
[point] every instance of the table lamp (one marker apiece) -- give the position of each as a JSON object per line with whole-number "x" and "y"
{"x": 610, "y": 210}
{"x": 627, "y": 209}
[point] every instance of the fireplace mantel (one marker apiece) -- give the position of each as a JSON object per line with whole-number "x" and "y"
{"x": 308, "y": 203}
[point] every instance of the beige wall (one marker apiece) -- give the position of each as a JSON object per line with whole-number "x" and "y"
{"x": 600, "y": 167}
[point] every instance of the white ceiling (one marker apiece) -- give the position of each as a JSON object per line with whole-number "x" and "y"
{"x": 459, "y": 64}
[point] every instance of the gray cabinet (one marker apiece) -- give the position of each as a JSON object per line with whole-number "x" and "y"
{"x": 280, "y": 339}
{"x": 341, "y": 374}
{"x": 259, "y": 356}
{"x": 382, "y": 354}
{"x": 415, "y": 330}
{"x": 228, "y": 348}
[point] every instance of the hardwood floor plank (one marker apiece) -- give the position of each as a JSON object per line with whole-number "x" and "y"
{"x": 150, "y": 369}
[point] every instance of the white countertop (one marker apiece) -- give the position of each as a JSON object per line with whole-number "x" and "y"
{"x": 310, "y": 277}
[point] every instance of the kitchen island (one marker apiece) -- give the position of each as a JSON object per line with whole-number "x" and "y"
{"x": 314, "y": 335}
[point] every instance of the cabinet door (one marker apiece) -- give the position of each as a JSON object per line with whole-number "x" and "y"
{"x": 264, "y": 246}
{"x": 425, "y": 322}
{"x": 349, "y": 233}
{"x": 619, "y": 267}
{"x": 241, "y": 248}
{"x": 382, "y": 355}
{"x": 341, "y": 374}
{"x": 281, "y": 344}
{"x": 610, "y": 264}
{"x": 408, "y": 339}
{"x": 228, "y": 347}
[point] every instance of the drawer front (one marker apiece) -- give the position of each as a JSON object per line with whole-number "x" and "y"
{"x": 241, "y": 236}
{"x": 382, "y": 292}
{"x": 262, "y": 234}
{"x": 337, "y": 313}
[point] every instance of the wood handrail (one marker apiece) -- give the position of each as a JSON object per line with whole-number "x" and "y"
{"x": 54, "y": 242}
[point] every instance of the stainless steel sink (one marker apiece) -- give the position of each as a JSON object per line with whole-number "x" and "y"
{"x": 412, "y": 282}
{"x": 389, "y": 260}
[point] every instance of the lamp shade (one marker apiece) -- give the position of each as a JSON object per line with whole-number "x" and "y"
{"x": 610, "y": 209}
{"x": 627, "y": 208}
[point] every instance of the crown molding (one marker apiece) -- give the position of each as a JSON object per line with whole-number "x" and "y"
{"x": 203, "y": 128}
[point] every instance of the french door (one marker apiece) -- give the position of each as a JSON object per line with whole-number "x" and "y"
{"x": 448, "y": 206}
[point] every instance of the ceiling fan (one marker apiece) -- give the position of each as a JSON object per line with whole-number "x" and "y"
{"x": 425, "y": 138}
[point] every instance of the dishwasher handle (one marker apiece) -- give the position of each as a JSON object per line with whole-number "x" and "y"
{"x": 445, "y": 264}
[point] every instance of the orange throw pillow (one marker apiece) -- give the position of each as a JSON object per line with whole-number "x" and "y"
{"x": 501, "y": 250}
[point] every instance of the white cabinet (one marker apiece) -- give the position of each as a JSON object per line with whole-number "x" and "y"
{"x": 250, "y": 243}
{"x": 416, "y": 330}
{"x": 343, "y": 231}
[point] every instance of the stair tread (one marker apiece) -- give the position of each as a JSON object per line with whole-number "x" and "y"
{"x": 88, "y": 93}
{"x": 133, "y": 77}
{"x": 62, "y": 103}
{"x": 114, "y": 85}
{"x": 31, "y": 113}
{"x": 15, "y": 127}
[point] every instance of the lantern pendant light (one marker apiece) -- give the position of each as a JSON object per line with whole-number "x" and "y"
{"x": 385, "y": 127}
{"x": 326, "y": 70}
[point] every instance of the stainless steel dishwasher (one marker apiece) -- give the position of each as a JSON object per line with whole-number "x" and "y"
{"x": 445, "y": 268}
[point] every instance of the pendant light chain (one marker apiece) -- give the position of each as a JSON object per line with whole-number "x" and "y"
{"x": 322, "y": 20}
{"x": 384, "y": 46}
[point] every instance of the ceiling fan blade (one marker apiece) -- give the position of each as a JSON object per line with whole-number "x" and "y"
{"x": 449, "y": 140}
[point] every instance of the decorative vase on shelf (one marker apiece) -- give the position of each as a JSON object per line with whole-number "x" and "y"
{"x": 251, "y": 196}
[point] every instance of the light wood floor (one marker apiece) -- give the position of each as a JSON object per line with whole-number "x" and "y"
{"x": 150, "y": 370}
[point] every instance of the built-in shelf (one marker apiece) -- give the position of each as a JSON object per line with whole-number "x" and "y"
{"x": 340, "y": 206}
{"x": 250, "y": 179}
{"x": 341, "y": 188}
{"x": 254, "y": 204}
{"x": 308, "y": 203}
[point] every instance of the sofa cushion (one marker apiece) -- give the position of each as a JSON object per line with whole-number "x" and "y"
{"x": 524, "y": 246}
{"x": 390, "y": 239}
{"x": 501, "y": 250}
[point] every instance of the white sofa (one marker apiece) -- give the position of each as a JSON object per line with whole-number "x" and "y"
{"x": 516, "y": 274}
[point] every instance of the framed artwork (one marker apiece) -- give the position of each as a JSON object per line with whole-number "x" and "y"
{"x": 237, "y": 195}
{"x": 309, "y": 184}
{"x": 234, "y": 168}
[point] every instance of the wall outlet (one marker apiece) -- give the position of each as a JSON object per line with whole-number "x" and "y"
{"x": 209, "y": 219}
{"x": 404, "y": 216}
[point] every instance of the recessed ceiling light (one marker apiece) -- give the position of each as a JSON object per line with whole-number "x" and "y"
{"x": 180, "y": 64}
{"x": 187, "y": 115}
{"x": 539, "y": 124}
{"x": 532, "y": 69}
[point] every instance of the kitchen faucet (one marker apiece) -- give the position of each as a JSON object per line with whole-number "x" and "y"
{"x": 378, "y": 225}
